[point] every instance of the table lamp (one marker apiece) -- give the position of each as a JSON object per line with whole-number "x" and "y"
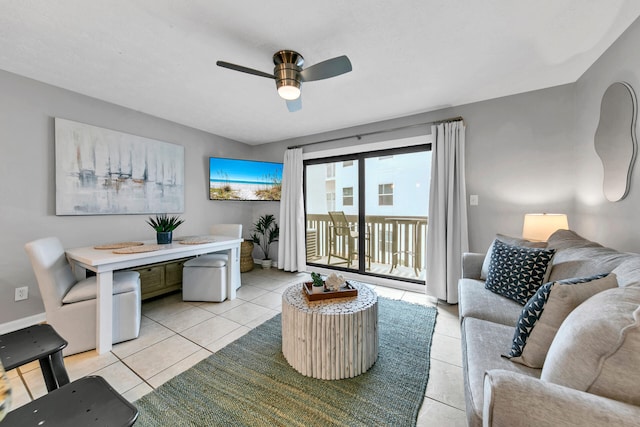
{"x": 539, "y": 226}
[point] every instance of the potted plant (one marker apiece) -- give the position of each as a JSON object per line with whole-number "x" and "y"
{"x": 265, "y": 232}
{"x": 164, "y": 226}
{"x": 318, "y": 283}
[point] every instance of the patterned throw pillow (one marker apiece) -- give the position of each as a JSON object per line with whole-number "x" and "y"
{"x": 543, "y": 314}
{"x": 509, "y": 240}
{"x": 516, "y": 272}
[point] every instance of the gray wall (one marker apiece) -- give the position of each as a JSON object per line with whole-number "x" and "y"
{"x": 519, "y": 156}
{"x": 519, "y": 160}
{"x": 612, "y": 224}
{"x": 27, "y": 187}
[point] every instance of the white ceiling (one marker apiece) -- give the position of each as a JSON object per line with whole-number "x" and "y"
{"x": 409, "y": 56}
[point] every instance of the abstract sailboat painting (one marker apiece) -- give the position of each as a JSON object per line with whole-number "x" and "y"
{"x": 106, "y": 172}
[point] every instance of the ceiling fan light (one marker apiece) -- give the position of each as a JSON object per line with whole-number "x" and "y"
{"x": 289, "y": 92}
{"x": 287, "y": 80}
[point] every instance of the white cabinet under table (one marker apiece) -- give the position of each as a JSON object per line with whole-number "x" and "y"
{"x": 330, "y": 339}
{"x": 105, "y": 262}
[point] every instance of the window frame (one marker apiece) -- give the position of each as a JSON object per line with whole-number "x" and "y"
{"x": 360, "y": 153}
{"x": 346, "y": 197}
{"x": 382, "y": 195}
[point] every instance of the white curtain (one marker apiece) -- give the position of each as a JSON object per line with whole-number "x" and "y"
{"x": 291, "y": 244}
{"x": 448, "y": 236}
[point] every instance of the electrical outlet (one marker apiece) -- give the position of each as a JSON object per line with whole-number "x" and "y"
{"x": 473, "y": 200}
{"x": 22, "y": 293}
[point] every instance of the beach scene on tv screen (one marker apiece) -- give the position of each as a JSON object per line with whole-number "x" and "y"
{"x": 234, "y": 179}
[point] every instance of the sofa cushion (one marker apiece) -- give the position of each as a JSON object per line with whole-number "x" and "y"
{"x": 475, "y": 301}
{"x": 579, "y": 257}
{"x": 516, "y": 272}
{"x": 628, "y": 272}
{"x": 564, "y": 239}
{"x": 482, "y": 344}
{"x": 546, "y": 310}
{"x": 585, "y": 261}
{"x": 84, "y": 290}
{"x": 515, "y": 241}
{"x": 597, "y": 348}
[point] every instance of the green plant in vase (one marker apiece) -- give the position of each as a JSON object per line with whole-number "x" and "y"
{"x": 265, "y": 232}
{"x": 164, "y": 226}
{"x": 318, "y": 283}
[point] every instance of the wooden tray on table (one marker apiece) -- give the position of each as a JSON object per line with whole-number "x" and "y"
{"x": 348, "y": 290}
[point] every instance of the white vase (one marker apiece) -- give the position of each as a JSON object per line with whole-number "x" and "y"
{"x": 317, "y": 289}
{"x": 266, "y": 263}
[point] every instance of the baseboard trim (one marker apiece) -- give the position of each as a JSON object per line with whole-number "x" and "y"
{"x": 14, "y": 325}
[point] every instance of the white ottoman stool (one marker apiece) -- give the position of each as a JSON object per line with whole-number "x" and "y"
{"x": 205, "y": 279}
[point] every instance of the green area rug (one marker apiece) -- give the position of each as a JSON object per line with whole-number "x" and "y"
{"x": 249, "y": 382}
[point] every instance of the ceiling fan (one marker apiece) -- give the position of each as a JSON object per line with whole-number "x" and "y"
{"x": 289, "y": 75}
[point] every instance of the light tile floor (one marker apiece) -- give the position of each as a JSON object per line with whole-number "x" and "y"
{"x": 176, "y": 335}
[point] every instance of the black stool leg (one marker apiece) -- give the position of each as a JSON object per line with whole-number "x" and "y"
{"x": 47, "y": 373}
{"x": 60, "y": 372}
{"x": 53, "y": 370}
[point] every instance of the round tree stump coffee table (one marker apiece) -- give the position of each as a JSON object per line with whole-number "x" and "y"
{"x": 330, "y": 339}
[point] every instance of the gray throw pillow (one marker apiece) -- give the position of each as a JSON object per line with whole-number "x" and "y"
{"x": 597, "y": 348}
{"x": 543, "y": 314}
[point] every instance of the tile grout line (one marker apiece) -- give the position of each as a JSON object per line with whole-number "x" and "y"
{"x": 24, "y": 383}
{"x": 443, "y": 403}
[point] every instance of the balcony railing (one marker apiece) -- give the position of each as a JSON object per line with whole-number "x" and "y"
{"x": 392, "y": 240}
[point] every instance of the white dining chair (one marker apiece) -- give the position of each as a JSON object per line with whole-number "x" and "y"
{"x": 70, "y": 305}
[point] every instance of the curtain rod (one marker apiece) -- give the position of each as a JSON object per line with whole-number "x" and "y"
{"x": 360, "y": 135}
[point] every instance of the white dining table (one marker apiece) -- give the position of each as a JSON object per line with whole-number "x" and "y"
{"x": 105, "y": 262}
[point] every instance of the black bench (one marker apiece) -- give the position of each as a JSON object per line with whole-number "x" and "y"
{"x": 89, "y": 401}
{"x": 37, "y": 342}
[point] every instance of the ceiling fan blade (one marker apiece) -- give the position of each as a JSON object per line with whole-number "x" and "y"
{"x": 244, "y": 69}
{"x": 295, "y": 104}
{"x": 326, "y": 69}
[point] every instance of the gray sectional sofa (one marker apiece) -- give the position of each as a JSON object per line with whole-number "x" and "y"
{"x": 591, "y": 374}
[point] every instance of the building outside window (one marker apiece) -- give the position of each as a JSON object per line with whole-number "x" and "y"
{"x": 331, "y": 170}
{"x": 331, "y": 202}
{"x": 347, "y": 196}
{"x": 385, "y": 194}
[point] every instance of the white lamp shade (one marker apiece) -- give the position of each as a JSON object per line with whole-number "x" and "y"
{"x": 539, "y": 226}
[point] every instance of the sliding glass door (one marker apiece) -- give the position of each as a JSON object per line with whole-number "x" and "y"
{"x": 332, "y": 210}
{"x": 367, "y": 212}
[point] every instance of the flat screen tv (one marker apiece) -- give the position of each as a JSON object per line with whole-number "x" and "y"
{"x": 235, "y": 179}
